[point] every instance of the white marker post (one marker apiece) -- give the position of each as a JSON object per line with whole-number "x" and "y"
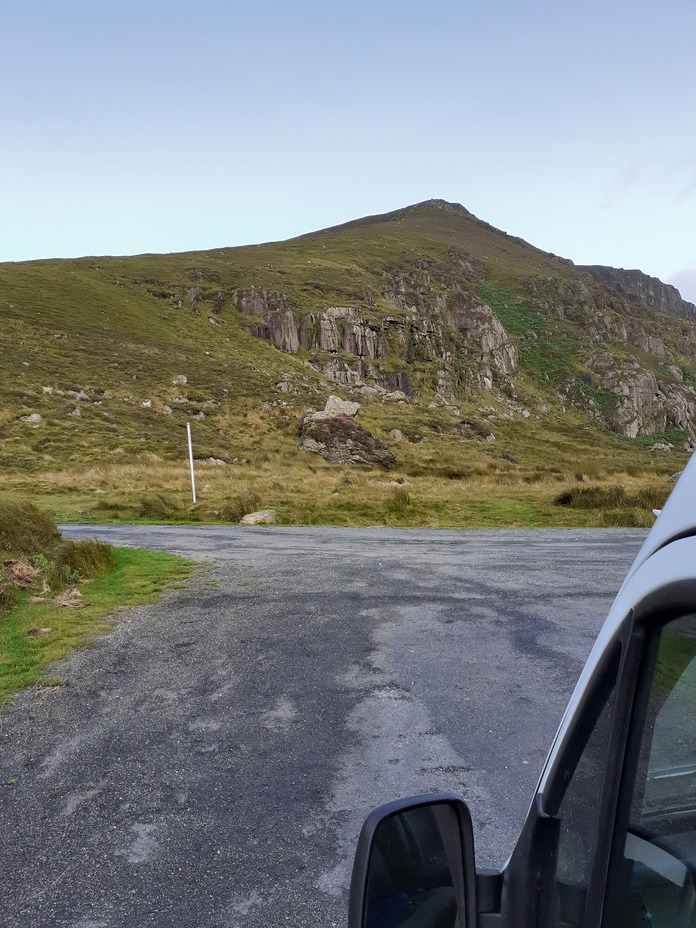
{"x": 193, "y": 476}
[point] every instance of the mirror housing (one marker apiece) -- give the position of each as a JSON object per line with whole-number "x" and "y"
{"x": 414, "y": 866}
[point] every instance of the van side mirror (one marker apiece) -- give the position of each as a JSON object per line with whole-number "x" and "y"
{"x": 414, "y": 866}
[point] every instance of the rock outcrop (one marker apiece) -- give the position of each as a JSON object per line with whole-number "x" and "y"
{"x": 335, "y": 406}
{"x": 643, "y": 404}
{"x": 335, "y": 436}
{"x": 648, "y": 291}
{"x": 340, "y": 440}
{"x": 430, "y": 321}
{"x": 438, "y": 317}
{"x": 639, "y": 390}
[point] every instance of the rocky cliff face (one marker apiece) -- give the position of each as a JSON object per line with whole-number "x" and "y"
{"x": 647, "y": 291}
{"x": 434, "y": 322}
{"x": 638, "y": 389}
{"x": 644, "y": 404}
{"x": 427, "y": 329}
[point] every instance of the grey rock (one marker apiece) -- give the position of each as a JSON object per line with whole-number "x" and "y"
{"x": 335, "y": 406}
{"x": 647, "y": 291}
{"x": 262, "y": 517}
{"x": 180, "y": 380}
{"x": 340, "y": 440}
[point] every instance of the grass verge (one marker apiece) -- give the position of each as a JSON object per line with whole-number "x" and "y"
{"x": 34, "y": 634}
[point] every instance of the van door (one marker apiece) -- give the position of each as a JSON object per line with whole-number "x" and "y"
{"x": 652, "y": 864}
{"x": 611, "y": 842}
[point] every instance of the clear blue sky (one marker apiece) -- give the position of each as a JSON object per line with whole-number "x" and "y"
{"x": 165, "y": 126}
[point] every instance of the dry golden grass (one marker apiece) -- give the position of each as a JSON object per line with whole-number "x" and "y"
{"x": 450, "y": 479}
{"x": 304, "y": 489}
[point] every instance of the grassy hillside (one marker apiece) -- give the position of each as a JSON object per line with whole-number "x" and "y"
{"x": 94, "y": 347}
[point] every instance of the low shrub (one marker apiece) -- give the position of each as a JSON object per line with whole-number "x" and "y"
{"x": 626, "y": 518}
{"x": 159, "y": 507}
{"x": 55, "y": 576}
{"x": 108, "y": 505}
{"x": 26, "y": 529}
{"x": 47, "y": 563}
{"x": 651, "y": 497}
{"x": 235, "y": 508}
{"x": 592, "y": 497}
{"x": 398, "y": 501}
{"x": 612, "y": 497}
{"x": 87, "y": 558}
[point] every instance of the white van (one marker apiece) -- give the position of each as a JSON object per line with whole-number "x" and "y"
{"x": 610, "y": 837}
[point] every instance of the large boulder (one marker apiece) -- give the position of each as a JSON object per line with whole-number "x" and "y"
{"x": 340, "y": 440}
{"x": 335, "y": 406}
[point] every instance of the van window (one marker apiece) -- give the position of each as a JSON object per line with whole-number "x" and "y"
{"x": 651, "y": 880}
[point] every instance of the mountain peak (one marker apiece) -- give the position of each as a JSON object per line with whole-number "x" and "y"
{"x": 443, "y": 205}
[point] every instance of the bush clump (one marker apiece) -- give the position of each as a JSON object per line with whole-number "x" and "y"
{"x": 612, "y": 497}
{"x": 86, "y": 558}
{"x": 651, "y": 497}
{"x": 40, "y": 558}
{"x": 74, "y": 561}
{"x": 26, "y": 529}
{"x": 235, "y": 508}
{"x": 55, "y": 577}
{"x": 159, "y": 507}
{"x": 399, "y": 501}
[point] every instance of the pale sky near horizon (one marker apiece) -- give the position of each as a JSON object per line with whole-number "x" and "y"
{"x": 162, "y": 125}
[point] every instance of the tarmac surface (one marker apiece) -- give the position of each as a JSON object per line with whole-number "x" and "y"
{"x": 211, "y": 759}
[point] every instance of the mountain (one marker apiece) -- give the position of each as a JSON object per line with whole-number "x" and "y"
{"x": 499, "y": 354}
